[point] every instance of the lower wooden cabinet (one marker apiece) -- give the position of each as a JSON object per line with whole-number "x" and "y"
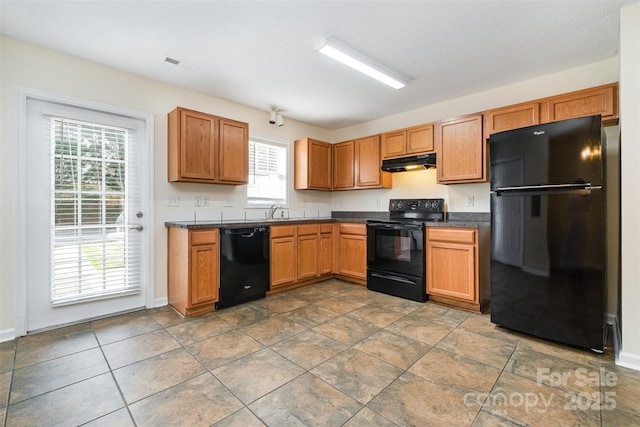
{"x": 193, "y": 270}
{"x": 458, "y": 266}
{"x": 308, "y": 255}
{"x": 326, "y": 248}
{"x": 351, "y": 253}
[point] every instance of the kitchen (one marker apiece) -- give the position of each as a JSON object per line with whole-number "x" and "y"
{"x": 79, "y": 78}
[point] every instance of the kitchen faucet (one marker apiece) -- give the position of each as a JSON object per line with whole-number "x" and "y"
{"x": 272, "y": 210}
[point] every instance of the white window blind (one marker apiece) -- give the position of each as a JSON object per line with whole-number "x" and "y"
{"x": 94, "y": 254}
{"x": 267, "y": 174}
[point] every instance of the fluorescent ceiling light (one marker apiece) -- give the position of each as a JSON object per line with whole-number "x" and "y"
{"x": 345, "y": 55}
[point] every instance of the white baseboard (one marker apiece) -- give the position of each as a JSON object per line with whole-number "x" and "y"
{"x": 623, "y": 358}
{"x": 160, "y": 302}
{"x": 7, "y": 335}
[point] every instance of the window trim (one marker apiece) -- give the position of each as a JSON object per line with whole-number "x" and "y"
{"x": 280, "y": 143}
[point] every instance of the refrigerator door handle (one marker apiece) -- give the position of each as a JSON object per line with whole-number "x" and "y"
{"x": 584, "y": 189}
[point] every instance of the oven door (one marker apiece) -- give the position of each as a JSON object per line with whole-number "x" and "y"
{"x": 396, "y": 248}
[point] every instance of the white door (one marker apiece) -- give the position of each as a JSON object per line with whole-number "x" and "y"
{"x": 87, "y": 226}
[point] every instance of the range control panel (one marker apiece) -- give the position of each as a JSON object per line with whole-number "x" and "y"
{"x": 416, "y": 205}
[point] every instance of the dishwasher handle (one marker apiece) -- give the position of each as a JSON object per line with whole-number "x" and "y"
{"x": 245, "y": 232}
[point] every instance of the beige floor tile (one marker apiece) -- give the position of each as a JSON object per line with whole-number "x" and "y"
{"x": 142, "y": 379}
{"x": 306, "y": 401}
{"x": 619, "y": 419}
{"x": 368, "y": 418}
{"x": 281, "y": 304}
{"x": 357, "y": 374}
{"x": 73, "y": 405}
{"x": 167, "y": 316}
{"x": 419, "y": 329}
{"x": 7, "y": 355}
{"x": 243, "y": 315}
{"x": 515, "y": 397}
{"x": 131, "y": 350}
{"x": 347, "y": 330}
{"x": 379, "y": 316}
{"x": 199, "y": 329}
{"x": 481, "y": 324}
{"x": 34, "y": 380}
{"x": 119, "y": 418}
{"x": 488, "y": 419}
{"x": 483, "y": 349}
{"x": 118, "y": 328}
{"x": 440, "y": 314}
{"x": 342, "y": 304}
{"x": 311, "y": 315}
{"x": 5, "y": 383}
{"x": 257, "y": 374}
{"x": 273, "y": 329}
{"x": 455, "y": 372}
{"x": 201, "y": 401}
{"x": 224, "y": 348}
{"x": 627, "y": 393}
{"x": 400, "y": 305}
{"x": 242, "y": 418}
{"x": 395, "y": 349}
{"x": 308, "y": 349}
{"x": 572, "y": 354}
{"x": 334, "y": 286}
{"x": 413, "y": 401}
{"x": 48, "y": 345}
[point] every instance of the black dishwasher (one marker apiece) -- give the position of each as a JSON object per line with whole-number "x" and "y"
{"x": 244, "y": 265}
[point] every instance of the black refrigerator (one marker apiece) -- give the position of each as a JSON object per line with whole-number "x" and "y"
{"x": 548, "y": 231}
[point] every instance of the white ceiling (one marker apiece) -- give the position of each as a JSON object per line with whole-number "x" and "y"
{"x": 262, "y": 53}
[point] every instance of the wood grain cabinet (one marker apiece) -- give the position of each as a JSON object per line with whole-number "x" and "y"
{"x": 462, "y": 150}
{"x": 356, "y": 165}
{"x": 283, "y": 255}
{"x": 193, "y": 270}
{"x": 407, "y": 142}
{"x": 206, "y": 148}
{"x": 458, "y": 266}
{"x": 326, "y": 248}
{"x": 312, "y": 165}
{"x": 512, "y": 117}
{"x": 308, "y": 255}
{"x": 351, "y": 252}
{"x": 601, "y": 100}
{"x": 344, "y": 165}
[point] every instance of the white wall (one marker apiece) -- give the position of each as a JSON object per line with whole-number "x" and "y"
{"x": 630, "y": 159}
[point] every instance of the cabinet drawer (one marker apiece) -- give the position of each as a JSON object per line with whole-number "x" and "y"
{"x": 204, "y": 237}
{"x": 307, "y": 229}
{"x": 359, "y": 229}
{"x": 326, "y": 228}
{"x": 282, "y": 231}
{"x": 455, "y": 235}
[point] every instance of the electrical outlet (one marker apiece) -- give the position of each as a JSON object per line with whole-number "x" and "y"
{"x": 378, "y": 203}
{"x": 470, "y": 201}
{"x": 342, "y": 203}
{"x": 205, "y": 201}
{"x": 228, "y": 203}
{"x": 197, "y": 201}
{"x": 173, "y": 200}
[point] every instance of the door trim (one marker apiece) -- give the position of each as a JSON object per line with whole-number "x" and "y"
{"x": 22, "y": 94}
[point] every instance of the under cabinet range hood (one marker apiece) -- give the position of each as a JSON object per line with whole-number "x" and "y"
{"x": 410, "y": 163}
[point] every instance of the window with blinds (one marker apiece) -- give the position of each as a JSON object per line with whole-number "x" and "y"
{"x": 267, "y": 174}
{"x": 94, "y": 254}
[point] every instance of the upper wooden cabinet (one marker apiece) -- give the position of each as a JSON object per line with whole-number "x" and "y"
{"x": 343, "y": 165}
{"x": 407, "y": 142}
{"x": 601, "y": 100}
{"x": 462, "y": 150}
{"x": 512, "y": 117}
{"x": 206, "y": 148}
{"x": 313, "y": 165}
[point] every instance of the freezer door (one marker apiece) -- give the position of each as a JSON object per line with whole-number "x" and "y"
{"x": 547, "y": 266}
{"x": 565, "y": 152}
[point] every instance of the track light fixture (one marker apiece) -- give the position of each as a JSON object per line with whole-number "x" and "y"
{"x": 275, "y": 118}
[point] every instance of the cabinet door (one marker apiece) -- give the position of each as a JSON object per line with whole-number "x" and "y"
{"x": 197, "y": 141}
{"x": 204, "y": 273}
{"x": 307, "y": 256}
{"x": 233, "y": 151}
{"x": 368, "y": 162}
{"x": 461, "y": 150}
{"x": 513, "y": 117}
{"x": 283, "y": 260}
{"x": 352, "y": 256}
{"x": 343, "y": 165}
{"x": 326, "y": 252}
{"x": 420, "y": 140}
{"x": 452, "y": 270}
{"x": 319, "y": 165}
{"x": 393, "y": 144}
{"x": 600, "y": 100}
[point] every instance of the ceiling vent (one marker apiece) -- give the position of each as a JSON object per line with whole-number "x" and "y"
{"x": 179, "y": 63}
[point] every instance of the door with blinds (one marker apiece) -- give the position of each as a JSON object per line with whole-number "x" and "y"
{"x": 86, "y": 224}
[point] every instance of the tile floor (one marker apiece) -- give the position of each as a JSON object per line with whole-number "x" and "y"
{"x": 332, "y": 354}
